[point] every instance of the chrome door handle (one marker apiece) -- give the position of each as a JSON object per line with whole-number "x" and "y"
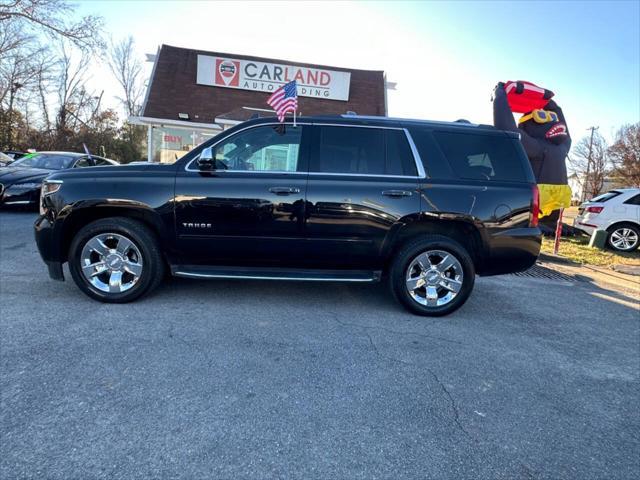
{"x": 397, "y": 193}
{"x": 284, "y": 190}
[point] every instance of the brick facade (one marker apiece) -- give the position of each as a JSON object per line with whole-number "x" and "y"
{"x": 173, "y": 89}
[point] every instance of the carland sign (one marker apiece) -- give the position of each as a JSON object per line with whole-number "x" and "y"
{"x": 267, "y": 77}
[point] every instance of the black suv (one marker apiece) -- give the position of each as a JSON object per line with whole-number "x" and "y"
{"x": 426, "y": 205}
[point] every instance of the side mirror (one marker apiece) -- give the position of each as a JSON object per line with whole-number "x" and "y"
{"x": 206, "y": 160}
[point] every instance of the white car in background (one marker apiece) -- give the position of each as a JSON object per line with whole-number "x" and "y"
{"x": 617, "y": 212}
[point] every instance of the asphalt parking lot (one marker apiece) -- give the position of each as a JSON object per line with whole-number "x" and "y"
{"x": 532, "y": 378}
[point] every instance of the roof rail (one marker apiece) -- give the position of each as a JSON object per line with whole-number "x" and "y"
{"x": 398, "y": 119}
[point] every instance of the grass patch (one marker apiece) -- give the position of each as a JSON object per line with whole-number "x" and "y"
{"x": 577, "y": 250}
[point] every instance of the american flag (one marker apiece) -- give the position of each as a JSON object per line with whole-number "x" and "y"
{"x": 284, "y": 99}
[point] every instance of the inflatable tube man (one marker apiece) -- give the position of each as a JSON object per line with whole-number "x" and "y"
{"x": 544, "y": 135}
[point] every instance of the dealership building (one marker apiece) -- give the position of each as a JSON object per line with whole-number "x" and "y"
{"x": 194, "y": 94}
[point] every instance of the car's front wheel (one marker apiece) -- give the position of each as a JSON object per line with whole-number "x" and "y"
{"x": 624, "y": 237}
{"x": 115, "y": 260}
{"x": 432, "y": 276}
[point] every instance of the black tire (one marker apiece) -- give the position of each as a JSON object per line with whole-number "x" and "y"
{"x": 414, "y": 248}
{"x": 620, "y": 227}
{"x": 153, "y": 266}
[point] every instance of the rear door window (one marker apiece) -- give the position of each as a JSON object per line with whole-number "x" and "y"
{"x": 481, "y": 157}
{"x": 362, "y": 151}
{"x": 399, "y": 157}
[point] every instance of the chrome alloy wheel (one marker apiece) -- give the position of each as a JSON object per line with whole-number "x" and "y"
{"x": 624, "y": 238}
{"x": 111, "y": 263}
{"x": 434, "y": 278}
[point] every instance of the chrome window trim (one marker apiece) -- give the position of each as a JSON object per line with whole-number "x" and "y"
{"x": 324, "y": 124}
{"x": 374, "y": 175}
{"x": 416, "y": 155}
{"x": 274, "y": 172}
{"x": 414, "y": 151}
{"x": 414, "y": 120}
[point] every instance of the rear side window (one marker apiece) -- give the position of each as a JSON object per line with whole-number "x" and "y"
{"x": 432, "y": 160}
{"x": 363, "y": 151}
{"x": 606, "y": 196}
{"x": 481, "y": 157}
{"x": 635, "y": 200}
{"x": 83, "y": 162}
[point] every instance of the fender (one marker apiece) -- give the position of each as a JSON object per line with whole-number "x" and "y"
{"x": 73, "y": 217}
{"x": 465, "y": 228}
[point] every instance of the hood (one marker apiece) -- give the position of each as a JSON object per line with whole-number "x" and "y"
{"x": 9, "y": 176}
{"x": 111, "y": 170}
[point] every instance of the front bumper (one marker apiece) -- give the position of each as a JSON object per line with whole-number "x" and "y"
{"x": 46, "y": 240}
{"x": 25, "y": 198}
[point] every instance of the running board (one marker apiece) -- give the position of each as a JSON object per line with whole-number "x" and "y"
{"x": 299, "y": 274}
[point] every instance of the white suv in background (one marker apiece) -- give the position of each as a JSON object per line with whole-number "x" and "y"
{"x": 617, "y": 212}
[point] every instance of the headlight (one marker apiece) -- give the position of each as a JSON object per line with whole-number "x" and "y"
{"x": 50, "y": 186}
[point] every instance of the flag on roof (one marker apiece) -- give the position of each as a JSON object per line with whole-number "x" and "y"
{"x": 284, "y": 99}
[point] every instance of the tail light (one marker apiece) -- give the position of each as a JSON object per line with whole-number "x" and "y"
{"x": 594, "y": 209}
{"x": 535, "y": 207}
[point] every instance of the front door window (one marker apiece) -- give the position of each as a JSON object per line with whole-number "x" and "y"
{"x": 268, "y": 148}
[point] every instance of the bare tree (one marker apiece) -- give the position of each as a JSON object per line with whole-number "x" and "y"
{"x": 71, "y": 87}
{"x": 52, "y": 17}
{"x": 16, "y": 49}
{"x": 12, "y": 37}
{"x": 590, "y": 162}
{"x": 625, "y": 155}
{"x": 17, "y": 79}
{"x": 127, "y": 69}
{"x": 27, "y": 63}
{"x": 44, "y": 73}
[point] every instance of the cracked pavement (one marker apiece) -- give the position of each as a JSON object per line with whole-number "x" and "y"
{"x": 531, "y": 379}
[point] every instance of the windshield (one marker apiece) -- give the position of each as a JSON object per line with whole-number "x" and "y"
{"x": 5, "y": 158}
{"x": 49, "y": 161}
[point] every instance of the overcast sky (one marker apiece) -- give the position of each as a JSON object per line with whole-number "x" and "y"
{"x": 445, "y": 56}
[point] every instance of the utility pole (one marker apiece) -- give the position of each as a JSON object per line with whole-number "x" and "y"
{"x": 586, "y": 178}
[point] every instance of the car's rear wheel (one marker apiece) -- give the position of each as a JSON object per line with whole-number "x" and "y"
{"x": 432, "y": 276}
{"x": 624, "y": 237}
{"x": 115, "y": 260}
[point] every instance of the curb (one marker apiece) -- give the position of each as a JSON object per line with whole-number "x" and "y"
{"x": 631, "y": 279}
{"x": 557, "y": 259}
